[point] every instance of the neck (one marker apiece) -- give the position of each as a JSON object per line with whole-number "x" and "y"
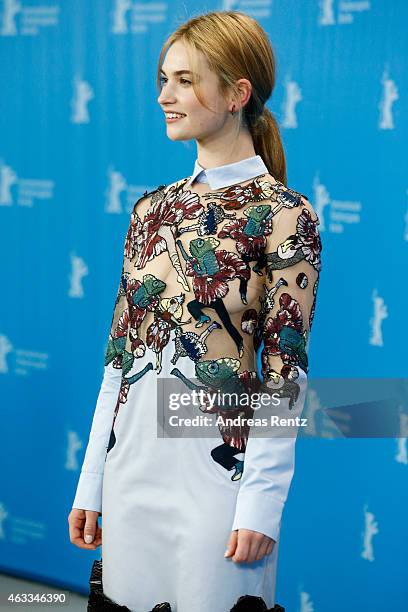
{"x": 224, "y": 147}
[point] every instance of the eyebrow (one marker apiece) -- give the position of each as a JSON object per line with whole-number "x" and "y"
{"x": 177, "y": 72}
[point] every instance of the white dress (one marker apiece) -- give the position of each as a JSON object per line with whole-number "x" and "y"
{"x": 209, "y": 272}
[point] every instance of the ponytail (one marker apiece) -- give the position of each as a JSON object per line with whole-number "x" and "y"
{"x": 268, "y": 144}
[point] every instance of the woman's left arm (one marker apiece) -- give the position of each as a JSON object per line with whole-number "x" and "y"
{"x": 292, "y": 270}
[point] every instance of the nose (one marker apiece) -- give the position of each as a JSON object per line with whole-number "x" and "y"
{"x": 166, "y": 95}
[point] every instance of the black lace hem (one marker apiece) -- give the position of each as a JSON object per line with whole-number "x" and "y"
{"x": 99, "y": 602}
{"x": 250, "y": 603}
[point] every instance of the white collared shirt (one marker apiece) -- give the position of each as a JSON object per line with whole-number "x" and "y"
{"x": 228, "y": 174}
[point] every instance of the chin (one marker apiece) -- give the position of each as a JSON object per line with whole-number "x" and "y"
{"x": 180, "y": 136}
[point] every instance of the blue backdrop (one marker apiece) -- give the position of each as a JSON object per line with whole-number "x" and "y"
{"x": 81, "y": 138}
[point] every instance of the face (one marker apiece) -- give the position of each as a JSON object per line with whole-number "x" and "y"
{"x": 177, "y": 95}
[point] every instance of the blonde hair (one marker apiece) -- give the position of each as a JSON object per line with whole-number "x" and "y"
{"x": 236, "y": 46}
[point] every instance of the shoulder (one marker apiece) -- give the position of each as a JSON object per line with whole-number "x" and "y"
{"x": 160, "y": 191}
{"x": 290, "y": 202}
{"x": 148, "y": 195}
{"x": 295, "y": 225}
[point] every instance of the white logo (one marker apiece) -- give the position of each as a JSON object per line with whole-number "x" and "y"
{"x": 345, "y": 11}
{"x": 326, "y": 15}
{"x": 74, "y": 445}
{"x": 5, "y": 348}
{"x": 306, "y": 604}
{"x": 293, "y": 95}
{"x": 119, "y": 16}
{"x": 119, "y": 189}
{"x": 3, "y": 515}
{"x": 24, "y": 359}
{"x": 319, "y": 422}
{"x": 116, "y": 186}
{"x": 136, "y": 17}
{"x": 27, "y": 189}
{"x": 380, "y": 313}
{"x": 7, "y": 179}
{"x": 311, "y": 411}
{"x": 389, "y": 96}
{"x": 402, "y": 451}
{"x": 370, "y": 530}
{"x": 10, "y": 9}
{"x": 79, "y": 269}
{"x": 83, "y": 92}
{"x": 31, "y": 18}
{"x": 341, "y": 212}
{"x": 321, "y": 200}
{"x": 120, "y": 196}
{"x": 402, "y": 455}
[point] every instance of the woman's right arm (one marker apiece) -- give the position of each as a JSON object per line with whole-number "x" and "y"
{"x": 89, "y": 489}
{"x": 84, "y": 530}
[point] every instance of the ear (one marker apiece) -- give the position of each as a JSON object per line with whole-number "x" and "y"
{"x": 244, "y": 89}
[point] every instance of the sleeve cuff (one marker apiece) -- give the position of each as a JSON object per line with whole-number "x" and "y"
{"x": 89, "y": 492}
{"x": 258, "y": 511}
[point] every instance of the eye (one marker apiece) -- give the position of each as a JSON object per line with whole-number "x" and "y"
{"x": 163, "y": 81}
{"x": 213, "y": 367}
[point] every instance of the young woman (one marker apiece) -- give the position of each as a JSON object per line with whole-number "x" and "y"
{"x": 214, "y": 264}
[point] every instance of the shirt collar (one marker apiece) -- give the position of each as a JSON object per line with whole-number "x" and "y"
{"x": 229, "y": 174}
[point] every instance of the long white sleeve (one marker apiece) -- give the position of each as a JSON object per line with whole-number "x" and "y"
{"x": 89, "y": 489}
{"x": 293, "y": 255}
